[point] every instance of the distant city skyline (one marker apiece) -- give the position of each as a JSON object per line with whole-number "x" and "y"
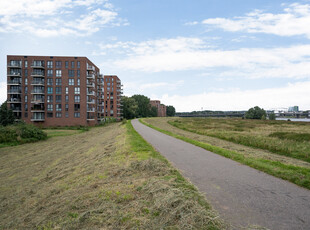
{"x": 216, "y": 55}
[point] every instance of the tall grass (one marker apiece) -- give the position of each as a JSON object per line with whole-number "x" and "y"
{"x": 283, "y": 138}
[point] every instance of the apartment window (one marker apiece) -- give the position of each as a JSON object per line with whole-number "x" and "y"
{"x": 26, "y": 98}
{"x": 71, "y": 81}
{"x": 72, "y": 64}
{"x": 49, "y": 81}
{"x": 50, "y": 64}
{"x": 67, "y": 114}
{"x": 67, "y": 64}
{"x": 50, "y": 73}
{"x": 49, "y": 114}
{"x": 58, "y": 115}
{"x": 58, "y": 81}
{"x": 71, "y": 73}
{"x": 109, "y": 84}
{"x": 58, "y": 98}
{"x": 50, "y": 90}
{"x": 76, "y": 90}
{"x": 67, "y": 90}
{"x": 26, "y": 114}
{"x": 58, "y": 64}
{"x": 78, "y": 73}
{"x": 77, "y": 99}
{"x": 26, "y": 81}
{"x": 26, "y": 64}
{"x": 67, "y": 98}
{"x": 26, "y": 89}
{"x": 78, "y": 81}
{"x": 58, "y": 73}
{"x": 50, "y": 98}
{"x": 76, "y": 114}
{"x": 26, "y": 72}
{"x": 78, "y": 64}
{"x": 58, "y": 90}
{"x": 58, "y": 107}
{"x": 49, "y": 107}
{"x": 108, "y": 88}
{"x": 67, "y": 107}
{"x": 76, "y": 107}
{"x": 26, "y": 107}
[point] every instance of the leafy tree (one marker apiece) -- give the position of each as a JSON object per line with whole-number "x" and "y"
{"x": 144, "y": 108}
{"x": 170, "y": 111}
{"x": 272, "y": 116}
{"x": 154, "y": 111}
{"x": 130, "y": 107}
{"x": 6, "y": 115}
{"x": 255, "y": 113}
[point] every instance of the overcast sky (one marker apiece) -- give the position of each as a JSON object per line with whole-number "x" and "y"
{"x": 193, "y": 54}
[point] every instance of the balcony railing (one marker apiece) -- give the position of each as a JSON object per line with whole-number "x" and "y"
{"x": 14, "y": 82}
{"x": 37, "y": 82}
{"x": 14, "y": 74}
{"x": 14, "y": 100}
{"x": 91, "y": 68}
{"x": 91, "y": 101}
{"x": 37, "y": 109}
{"x": 37, "y": 91}
{"x": 38, "y": 117}
{"x": 91, "y": 76}
{"x": 37, "y": 74}
{"x": 37, "y": 65}
{"x": 37, "y": 101}
{"x": 91, "y": 93}
{"x": 89, "y": 117}
{"x": 14, "y": 91}
{"x": 90, "y": 84}
{"x": 14, "y": 64}
{"x": 91, "y": 110}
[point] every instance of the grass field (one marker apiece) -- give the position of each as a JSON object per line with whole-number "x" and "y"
{"x": 106, "y": 178}
{"x": 294, "y": 167}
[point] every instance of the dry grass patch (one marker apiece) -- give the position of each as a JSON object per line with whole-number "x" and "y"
{"x": 106, "y": 178}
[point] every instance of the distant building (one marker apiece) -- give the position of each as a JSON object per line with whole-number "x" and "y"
{"x": 161, "y": 109}
{"x": 293, "y": 109}
{"x": 60, "y": 91}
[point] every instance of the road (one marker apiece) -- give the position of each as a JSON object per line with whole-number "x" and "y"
{"x": 242, "y": 195}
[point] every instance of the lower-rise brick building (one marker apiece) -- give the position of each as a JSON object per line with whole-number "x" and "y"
{"x": 161, "y": 109}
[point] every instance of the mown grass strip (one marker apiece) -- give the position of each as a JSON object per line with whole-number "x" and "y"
{"x": 294, "y": 174}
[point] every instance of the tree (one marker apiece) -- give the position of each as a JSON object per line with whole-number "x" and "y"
{"x": 255, "y": 113}
{"x": 170, "y": 111}
{"x": 130, "y": 107}
{"x": 272, "y": 116}
{"x": 144, "y": 107}
{"x": 6, "y": 115}
{"x": 154, "y": 111}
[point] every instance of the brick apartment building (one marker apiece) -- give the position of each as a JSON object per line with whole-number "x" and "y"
{"x": 60, "y": 91}
{"x": 161, "y": 109}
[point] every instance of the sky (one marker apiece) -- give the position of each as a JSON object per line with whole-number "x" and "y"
{"x": 192, "y": 54}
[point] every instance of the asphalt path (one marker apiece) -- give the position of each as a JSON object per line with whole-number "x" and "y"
{"x": 242, "y": 195}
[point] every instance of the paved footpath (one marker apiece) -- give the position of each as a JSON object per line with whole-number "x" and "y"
{"x": 242, "y": 195}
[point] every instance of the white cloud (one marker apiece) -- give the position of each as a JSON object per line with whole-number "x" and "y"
{"x": 46, "y": 18}
{"x": 191, "y": 23}
{"x": 294, "y": 20}
{"x": 192, "y": 53}
{"x": 292, "y": 94}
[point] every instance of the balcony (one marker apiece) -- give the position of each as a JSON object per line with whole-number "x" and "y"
{"x": 14, "y": 91}
{"x": 91, "y": 110}
{"x": 15, "y": 64}
{"x": 37, "y": 65}
{"x": 90, "y": 117}
{"x": 13, "y": 74}
{"x": 14, "y": 82}
{"x": 37, "y": 109}
{"x": 37, "y": 82}
{"x": 37, "y": 101}
{"x": 91, "y": 101}
{"x": 90, "y": 84}
{"x": 37, "y": 91}
{"x": 90, "y": 68}
{"x": 14, "y": 100}
{"x": 100, "y": 76}
{"x": 118, "y": 82}
{"x": 90, "y": 93}
{"x": 37, "y": 74}
{"x": 38, "y": 117}
{"x": 91, "y": 76}
{"x": 16, "y": 109}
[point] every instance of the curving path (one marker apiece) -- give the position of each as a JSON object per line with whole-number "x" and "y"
{"x": 242, "y": 195}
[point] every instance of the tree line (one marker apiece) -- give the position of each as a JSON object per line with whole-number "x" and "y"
{"x": 139, "y": 106}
